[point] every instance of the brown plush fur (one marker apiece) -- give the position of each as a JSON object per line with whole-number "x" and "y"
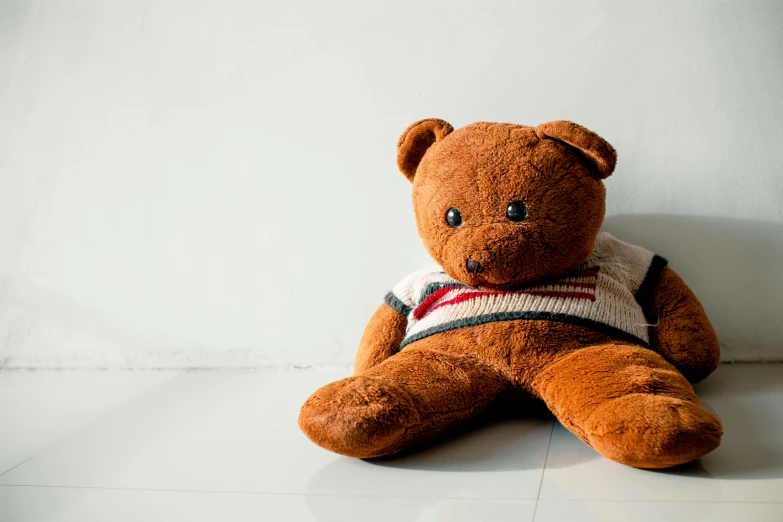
{"x": 632, "y": 404}
{"x": 381, "y": 338}
{"x": 683, "y": 334}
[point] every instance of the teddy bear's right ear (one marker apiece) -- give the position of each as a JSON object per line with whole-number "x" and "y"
{"x": 415, "y": 141}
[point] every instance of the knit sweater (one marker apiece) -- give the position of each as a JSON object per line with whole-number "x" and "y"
{"x": 601, "y": 294}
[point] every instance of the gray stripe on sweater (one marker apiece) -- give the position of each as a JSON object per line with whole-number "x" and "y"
{"x": 395, "y": 302}
{"x": 618, "y": 334}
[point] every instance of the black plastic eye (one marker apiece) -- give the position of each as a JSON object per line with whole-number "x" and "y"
{"x": 454, "y": 218}
{"x": 516, "y": 211}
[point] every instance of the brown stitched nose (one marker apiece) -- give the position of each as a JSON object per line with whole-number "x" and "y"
{"x": 473, "y": 266}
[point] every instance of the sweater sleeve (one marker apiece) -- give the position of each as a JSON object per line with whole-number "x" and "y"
{"x": 644, "y": 292}
{"x": 397, "y": 303}
{"x": 405, "y": 296}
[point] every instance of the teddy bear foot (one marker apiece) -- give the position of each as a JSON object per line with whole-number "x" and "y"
{"x": 666, "y": 431}
{"x": 359, "y": 416}
{"x": 630, "y": 405}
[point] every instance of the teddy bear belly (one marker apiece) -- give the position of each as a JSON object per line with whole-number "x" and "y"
{"x": 520, "y": 348}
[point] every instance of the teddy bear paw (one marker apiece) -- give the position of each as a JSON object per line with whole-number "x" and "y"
{"x": 648, "y": 431}
{"x": 359, "y": 417}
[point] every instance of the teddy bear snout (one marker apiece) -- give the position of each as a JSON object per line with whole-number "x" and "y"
{"x": 473, "y": 266}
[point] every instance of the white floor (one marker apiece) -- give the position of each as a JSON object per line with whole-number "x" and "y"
{"x": 224, "y": 445}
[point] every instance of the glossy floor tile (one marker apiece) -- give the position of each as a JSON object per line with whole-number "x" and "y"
{"x": 237, "y": 431}
{"x": 224, "y": 445}
{"x": 747, "y": 467}
{"x": 38, "y": 409}
{"x": 559, "y": 511}
{"x": 24, "y": 504}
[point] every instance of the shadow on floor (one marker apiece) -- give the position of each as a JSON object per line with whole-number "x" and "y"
{"x": 484, "y": 443}
{"x": 746, "y": 399}
{"x": 511, "y": 436}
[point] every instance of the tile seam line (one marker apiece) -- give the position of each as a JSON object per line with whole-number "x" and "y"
{"x": 100, "y": 418}
{"x": 511, "y": 499}
{"x": 543, "y": 470}
{"x": 546, "y": 459}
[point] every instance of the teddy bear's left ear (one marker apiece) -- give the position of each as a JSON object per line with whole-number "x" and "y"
{"x": 415, "y": 141}
{"x": 594, "y": 147}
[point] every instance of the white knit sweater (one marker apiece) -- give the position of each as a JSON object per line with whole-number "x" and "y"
{"x": 601, "y": 294}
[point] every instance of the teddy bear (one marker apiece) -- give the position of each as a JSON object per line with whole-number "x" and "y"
{"x": 532, "y": 297}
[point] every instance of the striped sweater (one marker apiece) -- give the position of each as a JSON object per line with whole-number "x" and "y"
{"x": 601, "y": 294}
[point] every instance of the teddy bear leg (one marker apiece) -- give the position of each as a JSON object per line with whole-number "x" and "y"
{"x": 407, "y": 399}
{"x": 630, "y": 405}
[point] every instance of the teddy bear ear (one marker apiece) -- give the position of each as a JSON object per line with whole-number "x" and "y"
{"x": 597, "y": 150}
{"x": 415, "y": 141}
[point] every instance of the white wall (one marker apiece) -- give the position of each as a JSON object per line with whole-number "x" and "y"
{"x": 192, "y": 183}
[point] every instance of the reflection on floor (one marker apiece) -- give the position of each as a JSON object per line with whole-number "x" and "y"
{"x": 224, "y": 445}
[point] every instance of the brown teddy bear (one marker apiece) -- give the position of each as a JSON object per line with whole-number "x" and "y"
{"x": 532, "y": 298}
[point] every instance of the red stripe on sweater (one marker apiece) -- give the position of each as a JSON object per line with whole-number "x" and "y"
{"x": 467, "y": 297}
{"x": 591, "y": 273}
{"x": 429, "y": 304}
{"x": 590, "y": 286}
{"x": 423, "y": 308}
{"x": 564, "y": 295}
{"x": 538, "y": 293}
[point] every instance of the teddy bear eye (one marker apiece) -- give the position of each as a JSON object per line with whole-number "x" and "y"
{"x": 454, "y": 218}
{"x": 516, "y": 211}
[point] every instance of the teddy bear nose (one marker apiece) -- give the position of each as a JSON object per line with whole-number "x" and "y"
{"x": 473, "y": 266}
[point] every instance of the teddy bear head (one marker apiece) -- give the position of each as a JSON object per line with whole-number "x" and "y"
{"x": 501, "y": 205}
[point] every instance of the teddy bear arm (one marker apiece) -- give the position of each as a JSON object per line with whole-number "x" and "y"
{"x": 381, "y": 339}
{"x": 682, "y": 333}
